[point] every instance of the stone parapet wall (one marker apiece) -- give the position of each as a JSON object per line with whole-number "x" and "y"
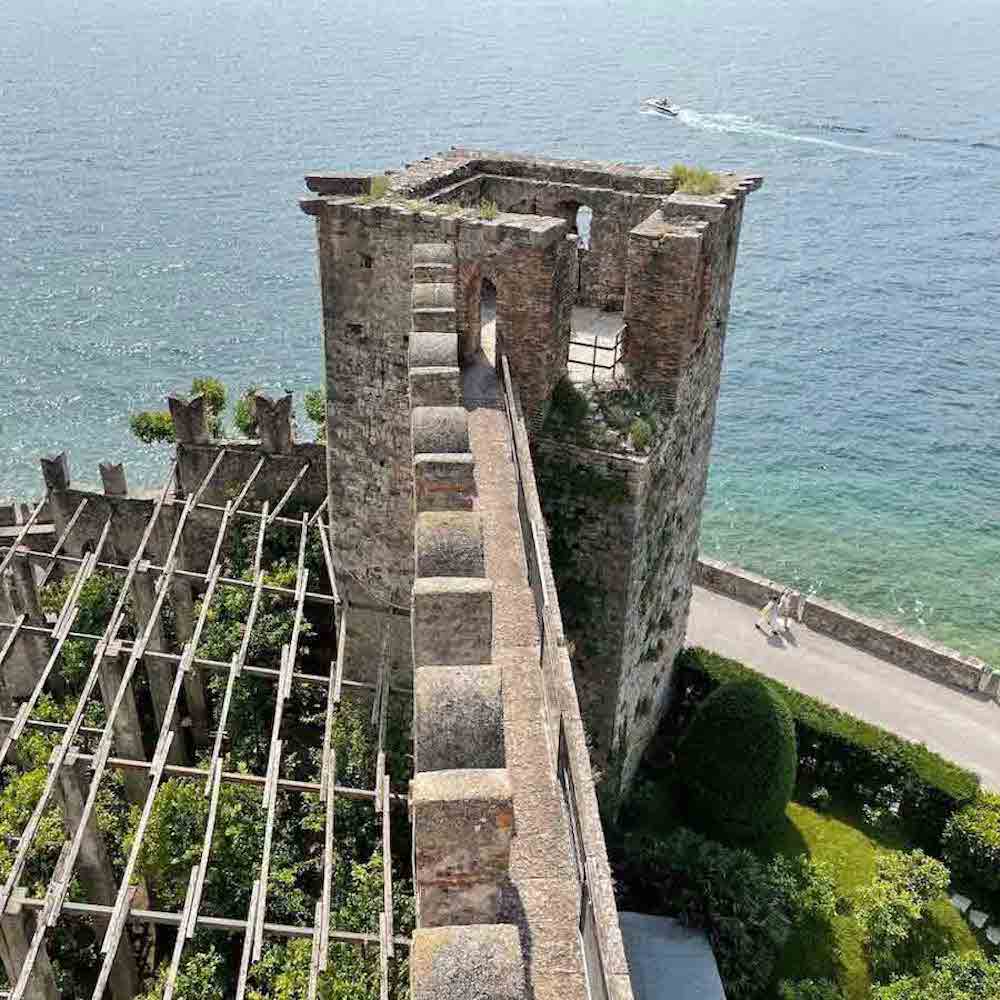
{"x": 888, "y": 642}
{"x": 461, "y": 799}
{"x": 568, "y": 735}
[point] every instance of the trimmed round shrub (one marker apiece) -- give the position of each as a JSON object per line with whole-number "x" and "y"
{"x": 971, "y": 844}
{"x": 736, "y": 763}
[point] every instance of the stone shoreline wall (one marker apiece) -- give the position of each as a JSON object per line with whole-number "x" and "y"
{"x": 886, "y": 641}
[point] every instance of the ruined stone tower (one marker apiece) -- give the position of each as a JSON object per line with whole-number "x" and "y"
{"x": 647, "y": 290}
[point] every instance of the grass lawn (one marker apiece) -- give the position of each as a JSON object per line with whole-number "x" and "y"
{"x": 835, "y": 951}
{"x": 841, "y": 839}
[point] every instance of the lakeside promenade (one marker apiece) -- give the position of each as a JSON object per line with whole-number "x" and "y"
{"x": 959, "y": 725}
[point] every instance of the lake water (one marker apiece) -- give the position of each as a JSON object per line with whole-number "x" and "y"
{"x": 151, "y": 156}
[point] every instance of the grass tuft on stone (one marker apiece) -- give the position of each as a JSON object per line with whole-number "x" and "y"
{"x": 695, "y": 180}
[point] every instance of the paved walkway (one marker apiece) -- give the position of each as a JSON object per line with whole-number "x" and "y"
{"x": 961, "y": 726}
{"x": 543, "y": 893}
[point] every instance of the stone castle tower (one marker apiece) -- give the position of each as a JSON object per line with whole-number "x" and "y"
{"x": 621, "y": 458}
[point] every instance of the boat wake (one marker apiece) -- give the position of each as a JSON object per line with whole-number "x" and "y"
{"x": 745, "y": 125}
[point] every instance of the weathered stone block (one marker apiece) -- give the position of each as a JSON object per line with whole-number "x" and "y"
{"x": 452, "y": 621}
{"x": 190, "y": 417}
{"x": 481, "y": 962}
{"x": 435, "y": 386}
{"x": 431, "y": 318}
{"x": 440, "y": 429}
{"x": 433, "y": 253}
{"x": 433, "y": 294}
{"x": 444, "y": 482}
{"x": 463, "y": 821}
{"x": 113, "y": 479}
{"x": 55, "y": 471}
{"x": 433, "y": 349}
{"x": 274, "y": 422}
{"x": 458, "y": 718}
{"x": 449, "y": 543}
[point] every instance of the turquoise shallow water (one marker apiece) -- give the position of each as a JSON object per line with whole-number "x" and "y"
{"x": 151, "y": 157}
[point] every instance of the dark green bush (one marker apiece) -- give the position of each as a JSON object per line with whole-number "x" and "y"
{"x": 746, "y": 906}
{"x": 569, "y": 412}
{"x": 843, "y": 753}
{"x": 971, "y": 844}
{"x": 809, "y": 989}
{"x": 736, "y": 762}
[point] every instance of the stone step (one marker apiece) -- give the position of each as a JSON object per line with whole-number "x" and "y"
{"x": 432, "y": 273}
{"x": 432, "y": 318}
{"x": 433, "y": 253}
{"x": 430, "y": 295}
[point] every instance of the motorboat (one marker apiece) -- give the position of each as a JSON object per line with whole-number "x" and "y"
{"x": 664, "y": 106}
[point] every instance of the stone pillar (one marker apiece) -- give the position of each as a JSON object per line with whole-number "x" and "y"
{"x": 463, "y": 822}
{"x": 274, "y": 422}
{"x": 93, "y": 868}
{"x": 458, "y": 718}
{"x": 113, "y": 478}
{"x": 159, "y": 672}
{"x": 17, "y": 928}
{"x": 190, "y": 418}
{"x": 482, "y": 962}
{"x": 127, "y": 727}
{"x": 26, "y": 596}
{"x": 55, "y": 472}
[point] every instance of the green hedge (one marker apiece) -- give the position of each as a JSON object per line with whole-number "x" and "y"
{"x": 843, "y": 753}
{"x": 972, "y": 844}
{"x": 737, "y": 761}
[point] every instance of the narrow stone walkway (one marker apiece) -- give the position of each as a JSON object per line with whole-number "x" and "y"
{"x": 543, "y": 894}
{"x": 959, "y": 725}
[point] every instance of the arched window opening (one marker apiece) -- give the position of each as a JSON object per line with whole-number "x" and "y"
{"x": 584, "y": 226}
{"x": 488, "y": 319}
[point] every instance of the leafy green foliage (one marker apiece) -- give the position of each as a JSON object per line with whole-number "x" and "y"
{"x": 151, "y": 426}
{"x": 487, "y": 209}
{"x": 842, "y": 753}
{"x": 971, "y": 844}
{"x": 213, "y": 391}
{"x": 954, "y": 977}
{"x": 811, "y": 884}
{"x": 283, "y": 972}
{"x": 568, "y": 410}
{"x": 898, "y": 897}
{"x": 244, "y": 415}
{"x": 809, "y": 989}
{"x": 640, "y": 433}
{"x": 315, "y": 400}
{"x": 695, "y": 180}
{"x": 201, "y": 977}
{"x": 737, "y": 761}
{"x": 745, "y": 905}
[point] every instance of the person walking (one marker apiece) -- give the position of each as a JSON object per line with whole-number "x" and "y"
{"x": 768, "y": 616}
{"x": 784, "y": 609}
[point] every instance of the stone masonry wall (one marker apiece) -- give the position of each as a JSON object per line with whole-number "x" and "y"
{"x": 680, "y": 349}
{"x": 591, "y": 502}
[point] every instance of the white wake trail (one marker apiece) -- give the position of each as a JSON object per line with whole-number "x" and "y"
{"x": 745, "y": 125}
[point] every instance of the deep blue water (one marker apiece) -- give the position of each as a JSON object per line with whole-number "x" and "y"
{"x": 151, "y": 155}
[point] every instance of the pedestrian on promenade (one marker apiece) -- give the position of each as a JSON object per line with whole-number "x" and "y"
{"x": 768, "y": 619}
{"x": 784, "y": 609}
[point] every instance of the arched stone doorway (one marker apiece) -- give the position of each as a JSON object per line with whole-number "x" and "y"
{"x": 488, "y": 320}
